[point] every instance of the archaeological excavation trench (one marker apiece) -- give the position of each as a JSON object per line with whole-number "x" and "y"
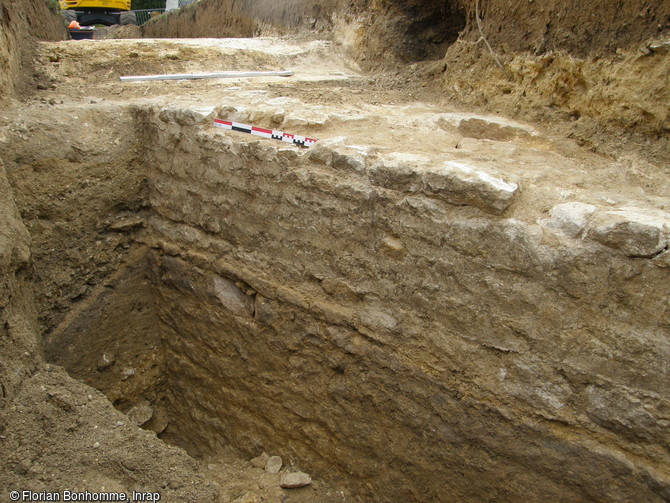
{"x": 433, "y": 303}
{"x": 391, "y": 319}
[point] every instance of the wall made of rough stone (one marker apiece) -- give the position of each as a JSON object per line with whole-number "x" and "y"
{"x": 402, "y": 328}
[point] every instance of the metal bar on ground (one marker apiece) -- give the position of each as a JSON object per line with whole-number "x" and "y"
{"x": 294, "y": 139}
{"x": 193, "y": 76}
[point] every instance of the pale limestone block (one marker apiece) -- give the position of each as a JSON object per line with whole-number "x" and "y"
{"x": 461, "y": 184}
{"x": 295, "y": 480}
{"x": 274, "y": 464}
{"x": 637, "y": 233}
{"x": 570, "y": 218}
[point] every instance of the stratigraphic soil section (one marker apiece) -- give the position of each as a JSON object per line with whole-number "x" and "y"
{"x": 367, "y": 308}
{"x": 22, "y": 22}
{"x": 575, "y": 66}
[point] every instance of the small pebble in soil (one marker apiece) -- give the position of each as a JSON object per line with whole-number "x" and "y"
{"x": 295, "y": 480}
{"x": 273, "y": 464}
{"x": 260, "y": 461}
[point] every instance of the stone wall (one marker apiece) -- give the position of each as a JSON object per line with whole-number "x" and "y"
{"x": 403, "y": 327}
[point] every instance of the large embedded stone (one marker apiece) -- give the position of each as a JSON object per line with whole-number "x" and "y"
{"x": 621, "y": 411}
{"x": 274, "y": 464}
{"x": 635, "y": 232}
{"x": 347, "y": 160}
{"x": 461, "y": 184}
{"x": 570, "y": 218}
{"x": 260, "y": 461}
{"x": 141, "y": 414}
{"x": 455, "y": 182}
{"x": 399, "y": 171}
{"x": 187, "y": 116}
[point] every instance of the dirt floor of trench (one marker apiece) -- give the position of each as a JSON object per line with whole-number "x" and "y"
{"x": 328, "y": 98}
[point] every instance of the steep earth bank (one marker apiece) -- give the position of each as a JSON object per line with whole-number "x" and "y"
{"x": 575, "y": 66}
{"x": 57, "y": 433}
{"x": 21, "y": 23}
{"x": 415, "y": 28}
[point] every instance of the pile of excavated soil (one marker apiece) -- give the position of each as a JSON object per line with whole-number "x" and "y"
{"x": 58, "y": 434}
{"x": 92, "y": 447}
{"x": 117, "y": 31}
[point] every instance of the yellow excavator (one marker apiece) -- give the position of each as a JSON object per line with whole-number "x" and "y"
{"x": 91, "y": 12}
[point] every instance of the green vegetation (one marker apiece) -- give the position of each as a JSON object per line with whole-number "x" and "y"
{"x": 148, "y": 4}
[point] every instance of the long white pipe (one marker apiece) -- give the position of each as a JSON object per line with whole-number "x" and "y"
{"x": 193, "y": 76}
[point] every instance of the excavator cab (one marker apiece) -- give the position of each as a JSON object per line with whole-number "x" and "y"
{"x": 91, "y": 12}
